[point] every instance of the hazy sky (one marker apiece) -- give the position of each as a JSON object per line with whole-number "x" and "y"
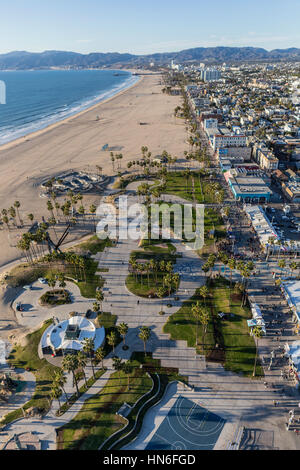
{"x": 146, "y": 26}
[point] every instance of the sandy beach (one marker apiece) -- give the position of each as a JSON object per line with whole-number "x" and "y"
{"x": 76, "y": 143}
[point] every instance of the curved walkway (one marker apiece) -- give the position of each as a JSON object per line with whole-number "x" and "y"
{"x": 228, "y": 394}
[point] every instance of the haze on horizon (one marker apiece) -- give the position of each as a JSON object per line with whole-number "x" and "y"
{"x": 145, "y": 28}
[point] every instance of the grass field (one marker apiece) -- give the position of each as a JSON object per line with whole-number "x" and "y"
{"x": 26, "y": 357}
{"x": 98, "y": 420}
{"x": 236, "y": 348}
{"x": 189, "y": 187}
{"x": 140, "y": 285}
{"x": 25, "y": 274}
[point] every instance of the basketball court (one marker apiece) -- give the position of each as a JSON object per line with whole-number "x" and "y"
{"x": 187, "y": 426}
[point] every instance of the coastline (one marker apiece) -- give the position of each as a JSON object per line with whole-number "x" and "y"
{"x": 76, "y": 144}
{"x": 32, "y": 135}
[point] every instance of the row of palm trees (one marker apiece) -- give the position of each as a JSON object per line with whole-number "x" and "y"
{"x": 293, "y": 266}
{"x": 71, "y": 363}
{"x": 245, "y": 269}
{"x": 12, "y": 214}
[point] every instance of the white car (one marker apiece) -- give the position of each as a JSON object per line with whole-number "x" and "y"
{"x": 42, "y": 280}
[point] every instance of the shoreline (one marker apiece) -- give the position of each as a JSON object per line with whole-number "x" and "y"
{"x": 77, "y": 143}
{"x": 37, "y": 133}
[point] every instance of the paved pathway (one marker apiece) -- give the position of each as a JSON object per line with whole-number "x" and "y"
{"x": 236, "y": 398}
{"x": 20, "y": 398}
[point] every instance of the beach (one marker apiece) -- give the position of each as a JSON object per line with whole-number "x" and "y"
{"x": 77, "y": 142}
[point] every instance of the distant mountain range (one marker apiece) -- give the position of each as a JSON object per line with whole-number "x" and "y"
{"x": 22, "y": 60}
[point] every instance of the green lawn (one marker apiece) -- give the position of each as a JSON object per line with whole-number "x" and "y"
{"x": 94, "y": 245}
{"x": 24, "y": 274}
{"x": 182, "y": 325}
{"x": 27, "y": 357}
{"x": 236, "y": 348}
{"x": 140, "y": 285}
{"x": 239, "y": 346}
{"x": 98, "y": 420}
{"x": 182, "y": 186}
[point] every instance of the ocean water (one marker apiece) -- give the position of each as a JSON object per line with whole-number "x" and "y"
{"x": 35, "y": 99}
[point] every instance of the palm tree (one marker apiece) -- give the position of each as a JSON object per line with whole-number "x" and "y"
{"x": 12, "y": 213}
{"x": 118, "y": 366}
{"x": 127, "y": 369}
{"x": 204, "y": 293}
{"x": 196, "y": 311}
{"x": 88, "y": 348}
{"x": 96, "y": 307}
{"x": 70, "y": 364}
{"x": 30, "y": 217}
{"x": 231, "y": 265}
{"x": 82, "y": 363}
{"x": 52, "y": 281}
{"x": 60, "y": 379}
{"x": 144, "y": 335}
{"x": 257, "y": 333}
{"x": 112, "y": 340}
{"x": 123, "y": 330}
{"x": 293, "y": 266}
{"x": 204, "y": 320}
{"x": 281, "y": 265}
{"x": 17, "y": 205}
{"x": 100, "y": 355}
{"x": 93, "y": 209}
{"x": 168, "y": 282}
{"x": 100, "y": 297}
{"x": 55, "y": 393}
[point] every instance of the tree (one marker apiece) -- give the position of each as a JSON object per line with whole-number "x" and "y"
{"x": 161, "y": 292}
{"x": 204, "y": 320}
{"x": 70, "y": 364}
{"x": 30, "y": 217}
{"x": 55, "y": 393}
{"x": 100, "y": 355}
{"x": 17, "y": 205}
{"x": 51, "y": 279}
{"x": 123, "y": 330}
{"x": 257, "y": 333}
{"x": 118, "y": 366}
{"x": 281, "y": 265}
{"x": 112, "y": 340}
{"x": 127, "y": 369}
{"x": 60, "y": 379}
{"x": 231, "y": 265}
{"x": 88, "y": 349}
{"x": 96, "y": 307}
{"x": 293, "y": 266}
{"x": 196, "y": 311}
{"x": 144, "y": 335}
{"x": 204, "y": 292}
{"x": 100, "y": 297}
{"x": 82, "y": 363}
{"x": 93, "y": 209}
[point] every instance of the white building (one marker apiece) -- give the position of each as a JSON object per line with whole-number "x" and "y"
{"x": 230, "y": 140}
{"x": 208, "y": 75}
{"x": 68, "y": 336}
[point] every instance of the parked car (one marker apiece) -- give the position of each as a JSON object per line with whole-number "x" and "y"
{"x": 42, "y": 280}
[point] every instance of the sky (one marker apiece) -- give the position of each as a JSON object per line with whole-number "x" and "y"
{"x": 147, "y": 26}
